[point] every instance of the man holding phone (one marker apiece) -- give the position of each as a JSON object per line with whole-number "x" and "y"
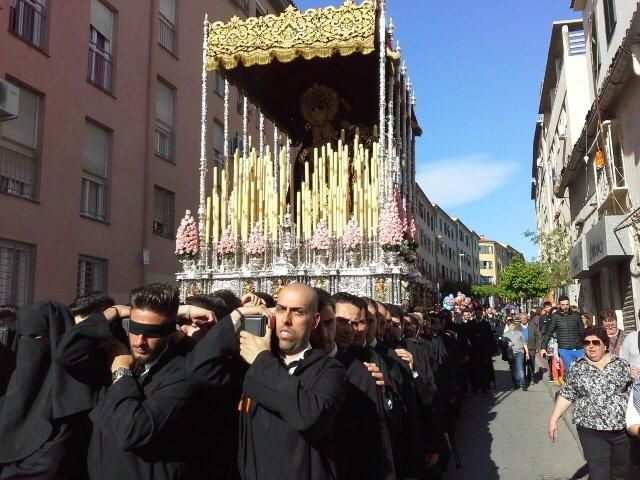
{"x": 290, "y": 394}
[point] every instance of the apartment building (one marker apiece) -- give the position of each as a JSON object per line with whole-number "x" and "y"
{"x": 468, "y": 251}
{"x": 601, "y": 173}
{"x": 102, "y": 160}
{"x": 494, "y": 258}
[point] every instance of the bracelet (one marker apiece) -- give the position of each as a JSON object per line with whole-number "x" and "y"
{"x": 239, "y": 312}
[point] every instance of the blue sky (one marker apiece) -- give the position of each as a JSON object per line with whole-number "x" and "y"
{"x": 476, "y": 67}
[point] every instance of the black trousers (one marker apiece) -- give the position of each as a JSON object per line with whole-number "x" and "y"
{"x": 606, "y": 452}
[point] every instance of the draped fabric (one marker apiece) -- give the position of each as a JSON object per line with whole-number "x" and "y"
{"x": 39, "y": 392}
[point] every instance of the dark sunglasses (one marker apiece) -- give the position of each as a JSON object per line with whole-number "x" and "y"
{"x": 595, "y": 343}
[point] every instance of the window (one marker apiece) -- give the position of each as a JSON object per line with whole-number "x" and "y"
{"x": 609, "y": 18}
{"x": 486, "y": 249}
{"x": 19, "y": 148}
{"x": 17, "y": 272}
{"x": 100, "y": 45}
{"x": 218, "y": 83}
{"x": 236, "y": 144}
{"x": 164, "y": 120}
{"x": 94, "y": 172}
{"x": 27, "y": 21}
{"x": 167, "y": 24}
{"x": 487, "y": 265}
{"x": 92, "y": 274}
{"x": 261, "y": 11}
{"x": 218, "y": 142}
{"x": 163, "y": 211}
{"x": 595, "y": 49}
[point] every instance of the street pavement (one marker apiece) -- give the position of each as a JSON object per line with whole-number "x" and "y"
{"x": 503, "y": 435}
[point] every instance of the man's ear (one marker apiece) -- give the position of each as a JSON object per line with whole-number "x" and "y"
{"x": 315, "y": 321}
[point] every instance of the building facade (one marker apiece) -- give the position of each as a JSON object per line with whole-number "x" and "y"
{"x": 494, "y": 258}
{"x": 102, "y": 159}
{"x": 601, "y": 176}
{"x": 468, "y": 252}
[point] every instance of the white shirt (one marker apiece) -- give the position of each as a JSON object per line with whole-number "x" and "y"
{"x": 147, "y": 366}
{"x": 292, "y": 358}
{"x": 334, "y": 352}
{"x": 629, "y": 350}
{"x": 632, "y": 416}
{"x": 373, "y": 343}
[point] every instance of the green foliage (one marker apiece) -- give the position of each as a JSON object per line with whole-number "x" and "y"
{"x": 450, "y": 287}
{"x": 527, "y": 280}
{"x": 555, "y": 253}
{"x": 484, "y": 291}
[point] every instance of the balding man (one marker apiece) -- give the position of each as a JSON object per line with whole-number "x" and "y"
{"x": 532, "y": 337}
{"x": 290, "y": 393}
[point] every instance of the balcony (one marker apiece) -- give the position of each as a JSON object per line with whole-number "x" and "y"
{"x": 612, "y": 194}
{"x": 100, "y": 67}
{"x": 27, "y": 20}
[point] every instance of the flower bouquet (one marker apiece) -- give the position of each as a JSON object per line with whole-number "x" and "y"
{"x": 351, "y": 241}
{"x": 320, "y": 242}
{"x": 187, "y": 239}
{"x": 256, "y": 245}
{"x": 227, "y": 248}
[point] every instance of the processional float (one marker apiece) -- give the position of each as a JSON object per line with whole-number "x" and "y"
{"x": 329, "y": 198}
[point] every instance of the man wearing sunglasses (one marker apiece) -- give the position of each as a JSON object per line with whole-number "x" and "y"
{"x": 568, "y": 327}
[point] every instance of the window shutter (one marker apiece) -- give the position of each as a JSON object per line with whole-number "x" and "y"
{"x": 168, "y": 10}
{"x": 102, "y": 19}
{"x": 164, "y": 103}
{"x": 218, "y": 137}
{"x": 96, "y": 149}
{"x": 23, "y": 130}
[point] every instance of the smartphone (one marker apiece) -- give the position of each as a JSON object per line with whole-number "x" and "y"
{"x": 255, "y": 324}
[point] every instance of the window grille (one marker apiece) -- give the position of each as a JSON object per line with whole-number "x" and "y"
{"x": 167, "y": 24}
{"x": 17, "y": 272}
{"x": 92, "y": 274}
{"x": 27, "y": 20}
{"x": 100, "y": 67}
{"x": 164, "y": 120}
{"x": 163, "y": 215}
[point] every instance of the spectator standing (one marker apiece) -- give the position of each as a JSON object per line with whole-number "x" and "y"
{"x": 631, "y": 353}
{"x": 587, "y": 318}
{"x": 568, "y": 326}
{"x": 609, "y": 321}
{"x": 597, "y": 386}
{"x": 532, "y": 337}
{"x": 520, "y": 351}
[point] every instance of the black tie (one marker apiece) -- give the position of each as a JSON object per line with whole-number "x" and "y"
{"x": 291, "y": 365}
{"x": 138, "y": 370}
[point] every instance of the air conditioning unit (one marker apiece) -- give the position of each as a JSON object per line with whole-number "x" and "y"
{"x": 9, "y": 97}
{"x": 562, "y": 132}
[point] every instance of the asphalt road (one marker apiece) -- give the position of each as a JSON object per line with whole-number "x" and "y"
{"x": 503, "y": 435}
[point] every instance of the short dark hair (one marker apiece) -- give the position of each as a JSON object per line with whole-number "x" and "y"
{"x": 230, "y": 298}
{"x": 395, "y": 311}
{"x": 90, "y": 303}
{"x": 157, "y": 297}
{"x": 210, "y": 302}
{"x": 8, "y": 314}
{"x": 268, "y": 299}
{"x": 421, "y": 310}
{"x": 351, "y": 299}
{"x": 324, "y": 299}
{"x": 599, "y": 331}
{"x": 547, "y": 304}
{"x": 563, "y": 298}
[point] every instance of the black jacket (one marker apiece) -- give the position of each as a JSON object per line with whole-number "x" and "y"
{"x": 286, "y": 421}
{"x": 568, "y": 328}
{"x": 142, "y": 428}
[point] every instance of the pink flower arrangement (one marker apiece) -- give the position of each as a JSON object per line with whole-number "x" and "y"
{"x": 226, "y": 244}
{"x": 352, "y": 238}
{"x": 187, "y": 238}
{"x": 256, "y": 243}
{"x": 411, "y": 229}
{"x": 390, "y": 229}
{"x": 321, "y": 240}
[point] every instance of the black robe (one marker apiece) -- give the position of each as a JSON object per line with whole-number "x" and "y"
{"x": 286, "y": 421}
{"x": 362, "y": 440}
{"x": 142, "y": 428}
{"x": 43, "y": 411}
{"x": 482, "y": 344}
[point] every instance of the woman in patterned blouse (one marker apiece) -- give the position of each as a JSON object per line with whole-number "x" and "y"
{"x": 598, "y": 388}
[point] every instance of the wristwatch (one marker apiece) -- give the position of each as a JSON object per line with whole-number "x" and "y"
{"x": 119, "y": 373}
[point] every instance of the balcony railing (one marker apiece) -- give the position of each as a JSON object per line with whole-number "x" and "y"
{"x": 17, "y": 173}
{"x": 27, "y": 20}
{"x": 167, "y": 34}
{"x": 100, "y": 67}
{"x": 164, "y": 141}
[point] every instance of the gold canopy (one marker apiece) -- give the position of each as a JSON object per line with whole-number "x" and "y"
{"x": 315, "y": 33}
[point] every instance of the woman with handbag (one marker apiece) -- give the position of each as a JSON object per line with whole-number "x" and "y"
{"x": 516, "y": 352}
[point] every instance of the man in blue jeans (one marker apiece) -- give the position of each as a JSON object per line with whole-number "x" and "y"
{"x": 568, "y": 327}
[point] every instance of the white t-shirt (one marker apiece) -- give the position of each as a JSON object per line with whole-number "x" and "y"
{"x": 632, "y": 417}
{"x": 629, "y": 350}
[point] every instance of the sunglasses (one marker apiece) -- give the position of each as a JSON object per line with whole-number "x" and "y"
{"x": 595, "y": 343}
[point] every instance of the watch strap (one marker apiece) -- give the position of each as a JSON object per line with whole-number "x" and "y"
{"x": 119, "y": 373}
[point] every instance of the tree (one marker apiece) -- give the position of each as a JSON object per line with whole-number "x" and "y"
{"x": 484, "y": 291}
{"x": 453, "y": 287}
{"x": 524, "y": 280}
{"x": 555, "y": 253}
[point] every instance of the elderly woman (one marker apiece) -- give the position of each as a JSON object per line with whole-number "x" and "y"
{"x": 609, "y": 321}
{"x": 597, "y": 386}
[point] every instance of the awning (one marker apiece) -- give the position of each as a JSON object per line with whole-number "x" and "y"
{"x": 605, "y": 245}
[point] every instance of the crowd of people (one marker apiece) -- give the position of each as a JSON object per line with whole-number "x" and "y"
{"x": 334, "y": 386}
